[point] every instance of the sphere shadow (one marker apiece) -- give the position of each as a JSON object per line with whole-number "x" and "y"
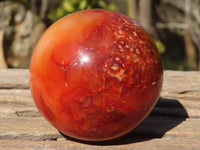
{"x": 167, "y": 114}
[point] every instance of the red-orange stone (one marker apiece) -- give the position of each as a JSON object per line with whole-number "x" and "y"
{"x": 95, "y": 75}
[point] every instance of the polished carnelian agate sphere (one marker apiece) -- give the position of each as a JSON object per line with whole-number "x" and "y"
{"x": 95, "y": 75}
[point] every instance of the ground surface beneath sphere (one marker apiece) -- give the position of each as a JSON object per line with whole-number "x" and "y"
{"x": 173, "y": 124}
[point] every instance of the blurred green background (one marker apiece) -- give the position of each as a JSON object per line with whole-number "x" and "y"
{"x": 174, "y": 25}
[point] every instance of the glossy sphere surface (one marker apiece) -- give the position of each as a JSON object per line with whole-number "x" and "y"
{"x": 95, "y": 75}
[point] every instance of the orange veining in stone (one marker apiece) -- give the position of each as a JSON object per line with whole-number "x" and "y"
{"x": 95, "y": 75}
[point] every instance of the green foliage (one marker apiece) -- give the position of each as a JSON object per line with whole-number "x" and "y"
{"x": 70, "y": 6}
{"x": 21, "y": 1}
{"x": 160, "y": 46}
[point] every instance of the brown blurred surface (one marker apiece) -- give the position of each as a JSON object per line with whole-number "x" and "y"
{"x": 173, "y": 124}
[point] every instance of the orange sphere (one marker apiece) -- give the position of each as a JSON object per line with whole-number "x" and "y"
{"x": 95, "y": 75}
